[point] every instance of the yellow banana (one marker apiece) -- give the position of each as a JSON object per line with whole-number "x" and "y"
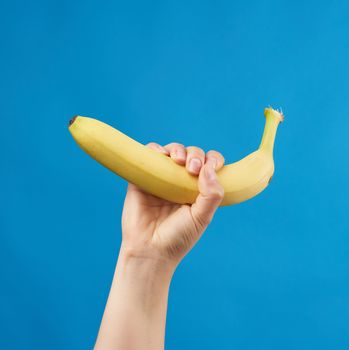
{"x": 158, "y": 174}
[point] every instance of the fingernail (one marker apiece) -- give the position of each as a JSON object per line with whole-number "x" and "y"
{"x": 211, "y": 173}
{"x": 195, "y": 165}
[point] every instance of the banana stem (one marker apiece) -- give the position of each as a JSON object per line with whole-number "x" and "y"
{"x": 273, "y": 118}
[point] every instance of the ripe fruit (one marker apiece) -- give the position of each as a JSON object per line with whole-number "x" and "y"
{"x": 158, "y": 174}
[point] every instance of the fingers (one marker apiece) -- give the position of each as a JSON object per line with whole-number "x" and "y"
{"x": 210, "y": 196}
{"x": 211, "y": 193}
{"x": 192, "y": 157}
{"x": 177, "y": 152}
{"x": 216, "y": 158}
{"x": 157, "y": 147}
{"x": 195, "y": 160}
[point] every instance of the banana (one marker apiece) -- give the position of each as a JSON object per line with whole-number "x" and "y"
{"x": 158, "y": 174}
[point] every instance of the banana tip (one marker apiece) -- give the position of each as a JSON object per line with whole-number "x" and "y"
{"x": 72, "y": 120}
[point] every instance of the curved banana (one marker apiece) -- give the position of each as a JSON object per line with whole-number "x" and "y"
{"x": 158, "y": 174}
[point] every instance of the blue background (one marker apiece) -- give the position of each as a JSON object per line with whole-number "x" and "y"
{"x": 271, "y": 273}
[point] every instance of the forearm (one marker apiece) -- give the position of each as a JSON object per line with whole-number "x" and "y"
{"x": 135, "y": 314}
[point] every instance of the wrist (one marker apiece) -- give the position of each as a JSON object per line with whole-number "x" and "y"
{"x": 143, "y": 281}
{"x": 147, "y": 259}
{"x": 145, "y": 267}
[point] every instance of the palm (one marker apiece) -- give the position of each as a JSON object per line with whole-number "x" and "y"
{"x": 166, "y": 225}
{"x": 153, "y": 226}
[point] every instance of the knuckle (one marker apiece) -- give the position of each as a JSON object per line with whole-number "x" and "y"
{"x": 152, "y": 144}
{"x": 217, "y": 194}
{"x": 156, "y": 147}
{"x": 212, "y": 152}
{"x": 196, "y": 151}
{"x": 215, "y": 154}
{"x": 178, "y": 147}
{"x": 174, "y": 145}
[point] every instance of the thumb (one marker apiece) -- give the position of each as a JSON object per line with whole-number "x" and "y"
{"x": 210, "y": 196}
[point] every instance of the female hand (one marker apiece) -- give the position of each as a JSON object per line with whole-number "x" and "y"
{"x": 156, "y": 234}
{"x": 157, "y": 229}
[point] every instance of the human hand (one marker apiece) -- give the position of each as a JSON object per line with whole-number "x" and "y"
{"x": 156, "y": 235}
{"x": 158, "y": 229}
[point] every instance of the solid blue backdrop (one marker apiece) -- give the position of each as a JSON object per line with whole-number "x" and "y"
{"x": 271, "y": 273}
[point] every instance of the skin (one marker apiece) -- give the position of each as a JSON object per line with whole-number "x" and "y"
{"x": 156, "y": 235}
